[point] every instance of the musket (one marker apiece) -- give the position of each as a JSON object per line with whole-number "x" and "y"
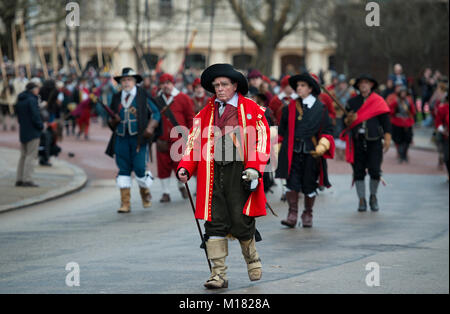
{"x": 334, "y": 99}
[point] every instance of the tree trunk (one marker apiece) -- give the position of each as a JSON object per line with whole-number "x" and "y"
{"x": 264, "y": 59}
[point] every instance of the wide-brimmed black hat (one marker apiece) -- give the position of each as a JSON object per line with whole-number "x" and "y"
{"x": 366, "y": 77}
{"x": 126, "y": 72}
{"x": 225, "y": 70}
{"x": 305, "y": 77}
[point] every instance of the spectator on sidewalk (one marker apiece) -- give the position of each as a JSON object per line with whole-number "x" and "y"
{"x": 30, "y": 128}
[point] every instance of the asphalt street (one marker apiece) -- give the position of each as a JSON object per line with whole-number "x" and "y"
{"x": 157, "y": 250}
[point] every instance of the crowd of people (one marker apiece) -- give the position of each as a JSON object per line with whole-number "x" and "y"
{"x": 68, "y": 103}
{"x": 352, "y": 119}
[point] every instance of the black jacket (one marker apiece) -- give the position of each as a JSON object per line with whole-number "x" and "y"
{"x": 29, "y": 117}
{"x": 315, "y": 122}
{"x": 376, "y": 127}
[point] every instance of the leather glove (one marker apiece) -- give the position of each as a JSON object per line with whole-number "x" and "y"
{"x": 387, "y": 142}
{"x": 351, "y": 117}
{"x": 321, "y": 148}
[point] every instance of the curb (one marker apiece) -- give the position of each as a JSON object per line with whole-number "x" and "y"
{"x": 79, "y": 181}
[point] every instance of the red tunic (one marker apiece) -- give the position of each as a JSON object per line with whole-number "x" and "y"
{"x": 373, "y": 106}
{"x": 398, "y": 121}
{"x": 442, "y": 117}
{"x": 329, "y": 103}
{"x": 276, "y": 105}
{"x": 199, "y": 154}
{"x": 182, "y": 108}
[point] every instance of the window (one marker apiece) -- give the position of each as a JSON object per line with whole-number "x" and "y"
{"x": 208, "y": 7}
{"x": 292, "y": 64}
{"x": 121, "y": 7}
{"x": 332, "y": 62}
{"x": 242, "y": 61}
{"x": 165, "y": 8}
{"x": 195, "y": 60}
{"x": 151, "y": 60}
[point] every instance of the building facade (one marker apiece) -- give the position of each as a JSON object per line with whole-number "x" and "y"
{"x": 110, "y": 28}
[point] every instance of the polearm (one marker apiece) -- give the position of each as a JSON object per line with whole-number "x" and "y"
{"x": 198, "y": 225}
{"x": 5, "y": 81}
{"x": 334, "y": 99}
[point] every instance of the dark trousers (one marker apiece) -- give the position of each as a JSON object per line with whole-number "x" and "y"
{"x": 368, "y": 158}
{"x": 228, "y": 201}
{"x": 304, "y": 174}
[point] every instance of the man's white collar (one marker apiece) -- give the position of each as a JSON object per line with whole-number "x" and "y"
{"x": 309, "y": 101}
{"x": 132, "y": 94}
{"x": 233, "y": 101}
{"x": 282, "y": 95}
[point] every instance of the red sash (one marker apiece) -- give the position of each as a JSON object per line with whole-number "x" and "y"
{"x": 372, "y": 107}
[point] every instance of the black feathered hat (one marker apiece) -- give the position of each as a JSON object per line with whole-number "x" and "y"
{"x": 128, "y": 72}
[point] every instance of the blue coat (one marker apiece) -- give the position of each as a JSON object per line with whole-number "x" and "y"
{"x": 29, "y": 117}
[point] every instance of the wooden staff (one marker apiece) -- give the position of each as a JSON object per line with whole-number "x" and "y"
{"x": 5, "y": 82}
{"x": 75, "y": 63}
{"x": 42, "y": 57}
{"x": 141, "y": 57}
{"x": 14, "y": 42}
{"x": 54, "y": 49}
{"x": 187, "y": 49}
{"x": 27, "y": 49}
{"x": 64, "y": 57}
{"x": 99, "y": 52}
{"x": 334, "y": 99}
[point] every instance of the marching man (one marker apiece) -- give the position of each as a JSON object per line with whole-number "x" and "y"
{"x": 230, "y": 191}
{"x": 135, "y": 119}
{"x": 306, "y": 134}
{"x": 368, "y": 125}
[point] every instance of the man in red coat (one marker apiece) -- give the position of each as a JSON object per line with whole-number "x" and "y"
{"x": 229, "y": 147}
{"x": 442, "y": 128}
{"x": 402, "y": 119}
{"x": 283, "y": 99}
{"x": 177, "y": 110}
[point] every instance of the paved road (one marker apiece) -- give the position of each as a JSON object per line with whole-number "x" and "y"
{"x": 156, "y": 250}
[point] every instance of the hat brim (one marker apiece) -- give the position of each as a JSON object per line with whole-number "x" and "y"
{"x": 366, "y": 77}
{"x": 293, "y": 80}
{"x": 223, "y": 70}
{"x": 137, "y": 77}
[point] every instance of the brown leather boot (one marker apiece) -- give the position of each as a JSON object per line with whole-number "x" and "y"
{"x": 165, "y": 198}
{"x": 125, "y": 206}
{"x": 307, "y": 217}
{"x": 146, "y": 197}
{"x": 292, "y": 199}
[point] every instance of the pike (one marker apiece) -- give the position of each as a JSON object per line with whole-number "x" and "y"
{"x": 334, "y": 99}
